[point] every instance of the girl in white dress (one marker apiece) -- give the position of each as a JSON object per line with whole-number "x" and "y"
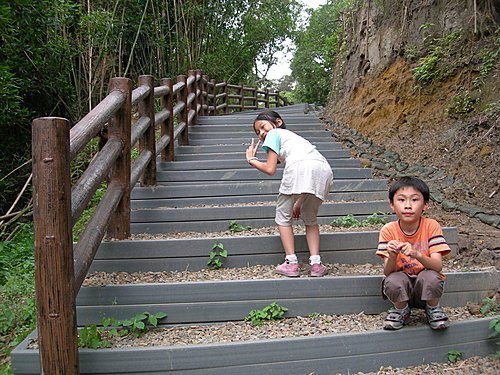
{"x": 307, "y": 179}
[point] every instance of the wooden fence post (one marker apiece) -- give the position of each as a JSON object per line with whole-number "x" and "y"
{"x": 191, "y": 92}
{"x": 213, "y": 100}
{"x": 183, "y": 114}
{"x": 241, "y": 92}
{"x": 167, "y": 126}
{"x": 120, "y": 127}
{"x": 54, "y": 270}
{"x": 255, "y": 103}
{"x": 266, "y": 98}
{"x": 226, "y": 99}
{"x": 147, "y": 141}
{"x": 204, "y": 94}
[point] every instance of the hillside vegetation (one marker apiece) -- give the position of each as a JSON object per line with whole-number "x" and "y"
{"x": 421, "y": 78}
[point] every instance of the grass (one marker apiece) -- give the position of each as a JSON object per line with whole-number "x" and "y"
{"x": 17, "y": 293}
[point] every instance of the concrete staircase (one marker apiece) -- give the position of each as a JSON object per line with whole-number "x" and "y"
{"x": 208, "y": 186}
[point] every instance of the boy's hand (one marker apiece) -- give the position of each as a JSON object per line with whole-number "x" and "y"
{"x": 407, "y": 249}
{"x": 393, "y": 248}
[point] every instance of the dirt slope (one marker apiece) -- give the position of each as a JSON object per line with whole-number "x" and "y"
{"x": 451, "y": 121}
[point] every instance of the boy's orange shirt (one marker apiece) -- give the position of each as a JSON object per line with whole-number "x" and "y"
{"x": 428, "y": 239}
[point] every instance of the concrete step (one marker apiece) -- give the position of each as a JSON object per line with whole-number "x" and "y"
{"x": 215, "y": 219}
{"x": 247, "y": 174}
{"x": 320, "y": 355}
{"x": 248, "y": 133}
{"x": 239, "y": 153}
{"x": 220, "y": 301}
{"x": 192, "y": 193}
{"x": 245, "y": 141}
{"x": 329, "y": 354}
{"x": 245, "y": 199}
{"x": 226, "y": 188}
{"x": 239, "y": 163}
{"x": 323, "y": 145}
{"x": 246, "y": 126}
{"x": 354, "y": 247}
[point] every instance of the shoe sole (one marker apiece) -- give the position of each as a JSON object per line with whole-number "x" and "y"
{"x": 318, "y": 274}
{"x": 287, "y": 275}
{"x": 440, "y": 327}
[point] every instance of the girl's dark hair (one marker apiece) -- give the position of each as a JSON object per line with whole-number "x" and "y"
{"x": 413, "y": 182}
{"x": 270, "y": 116}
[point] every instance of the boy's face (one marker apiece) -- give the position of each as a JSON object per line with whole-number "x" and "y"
{"x": 408, "y": 204}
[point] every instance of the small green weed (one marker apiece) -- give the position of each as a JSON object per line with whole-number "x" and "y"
{"x": 85, "y": 217}
{"x": 234, "y": 227}
{"x": 494, "y": 325}
{"x": 90, "y": 337}
{"x": 216, "y": 255}
{"x": 488, "y": 59}
{"x": 314, "y": 315}
{"x": 489, "y": 306}
{"x": 270, "y": 312}
{"x": 461, "y": 104}
{"x": 350, "y": 221}
{"x": 427, "y": 69}
{"x": 454, "y": 355}
{"x": 140, "y": 323}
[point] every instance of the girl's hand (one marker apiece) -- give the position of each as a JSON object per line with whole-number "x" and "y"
{"x": 252, "y": 150}
{"x": 296, "y": 207}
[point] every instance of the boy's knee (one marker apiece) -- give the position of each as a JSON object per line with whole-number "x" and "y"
{"x": 395, "y": 282}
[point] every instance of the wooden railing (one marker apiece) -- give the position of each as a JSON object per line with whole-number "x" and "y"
{"x": 61, "y": 266}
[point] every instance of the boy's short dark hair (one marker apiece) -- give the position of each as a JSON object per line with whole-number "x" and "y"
{"x": 270, "y": 116}
{"x": 413, "y": 182}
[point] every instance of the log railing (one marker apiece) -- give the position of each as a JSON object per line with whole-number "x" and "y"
{"x": 61, "y": 266}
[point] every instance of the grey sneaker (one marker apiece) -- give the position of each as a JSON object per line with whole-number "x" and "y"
{"x": 437, "y": 318}
{"x": 396, "y": 319}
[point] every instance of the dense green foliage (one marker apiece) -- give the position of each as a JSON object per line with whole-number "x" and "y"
{"x": 57, "y": 57}
{"x": 17, "y": 294}
{"x": 318, "y": 46}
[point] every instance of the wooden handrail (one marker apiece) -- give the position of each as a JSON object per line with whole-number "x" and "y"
{"x": 61, "y": 266}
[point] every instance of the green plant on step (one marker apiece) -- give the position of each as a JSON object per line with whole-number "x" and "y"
{"x": 90, "y": 337}
{"x": 272, "y": 311}
{"x": 234, "y": 227}
{"x": 135, "y": 325}
{"x": 140, "y": 323}
{"x": 454, "y": 355}
{"x": 375, "y": 219}
{"x": 314, "y": 315}
{"x": 216, "y": 255}
{"x": 350, "y": 221}
{"x": 489, "y": 306}
{"x": 494, "y": 325}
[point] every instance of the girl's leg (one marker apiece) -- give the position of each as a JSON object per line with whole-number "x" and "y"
{"x": 312, "y": 238}
{"x": 283, "y": 218}
{"x": 287, "y": 239}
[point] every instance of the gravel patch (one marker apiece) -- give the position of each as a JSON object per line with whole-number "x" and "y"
{"x": 470, "y": 366}
{"x": 264, "y": 231}
{"x": 248, "y": 273}
{"x": 235, "y": 331}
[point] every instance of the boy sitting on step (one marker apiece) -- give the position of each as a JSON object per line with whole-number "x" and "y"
{"x": 412, "y": 248}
